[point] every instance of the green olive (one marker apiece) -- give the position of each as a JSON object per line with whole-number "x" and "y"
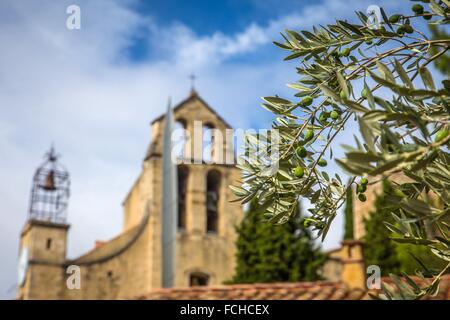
{"x": 299, "y": 172}
{"x": 307, "y": 223}
{"x": 441, "y": 135}
{"x": 408, "y": 28}
{"x": 417, "y": 8}
{"x": 394, "y": 18}
{"x": 399, "y": 193}
{"x": 364, "y": 181}
{"x": 309, "y": 135}
{"x": 334, "y": 115}
{"x": 362, "y": 197}
{"x": 361, "y": 188}
{"x": 306, "y": 101}
{"x": 322, "y": 162}
{"x": 323, "y": 116}
{"x": 301, "y": 152}
{"x": 345, "y": 52}
{"x": 401, "y": 30}
{"x": 427, "y": 15}
{"x": 343, "y": 95}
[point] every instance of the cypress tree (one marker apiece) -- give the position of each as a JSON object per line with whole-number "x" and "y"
{"x": 275, "y": 253}
{"x": 378, "y": 248}
{"x": 348, "y": 216}
{"x": 443, "y": 61}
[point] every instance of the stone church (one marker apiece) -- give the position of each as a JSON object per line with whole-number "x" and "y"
{"x": 130, "y": 264}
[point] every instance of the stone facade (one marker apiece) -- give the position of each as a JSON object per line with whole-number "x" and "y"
{"x": 130, "y": 264}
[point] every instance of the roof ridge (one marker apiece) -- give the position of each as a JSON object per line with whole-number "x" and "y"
{"x": 194, "y": 96}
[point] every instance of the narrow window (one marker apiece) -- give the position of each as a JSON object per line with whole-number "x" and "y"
{"x": 179, "y": 139}
{"x": 183, "y": 174}
{"x": 212, "y": 201}
{"x": 208, "y": 143}
{"x": 49, "y": 244}
{"x": 198, "y": 279}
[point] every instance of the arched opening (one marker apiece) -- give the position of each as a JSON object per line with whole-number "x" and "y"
{"x": 179, "y": 140}
{"x": 198, "y": 279}
{"x": 183, "y": 174}
{"x": 208, "y": 143}
{"x": 212, "y": 201}
{"x": 49, "y": 243}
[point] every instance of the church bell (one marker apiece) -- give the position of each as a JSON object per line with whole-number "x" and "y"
{"x": 49, "y": 184}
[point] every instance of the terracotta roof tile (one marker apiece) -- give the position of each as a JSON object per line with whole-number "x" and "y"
{"x": 321, "y": 290}
{"x": 338, "y": 294}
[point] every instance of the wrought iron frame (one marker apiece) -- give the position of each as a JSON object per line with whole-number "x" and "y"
{"x": 50, "y": 204}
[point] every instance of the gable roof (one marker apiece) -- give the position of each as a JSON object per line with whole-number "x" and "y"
{"x": 194, "y": 96}
{"x": 113, "y": 247}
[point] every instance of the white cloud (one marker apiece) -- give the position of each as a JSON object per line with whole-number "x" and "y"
{"x": 184, "y": 47}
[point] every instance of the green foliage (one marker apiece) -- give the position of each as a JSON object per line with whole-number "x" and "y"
{"x": 443, "y": 62}
{"x": 390, "y": 256}
{"x": 424, "y": 257}
{"x": 267, "y": 253}
{"x": 398, "y": 127}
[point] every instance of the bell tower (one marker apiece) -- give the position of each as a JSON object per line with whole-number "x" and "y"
{"x": 203, "y": 154}
{"x": 43, "y": 239}
{"x": 206, "y": 218}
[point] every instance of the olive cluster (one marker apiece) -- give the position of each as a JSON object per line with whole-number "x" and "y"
{"x": 301, "y": 150}
{"x": 361, "y": 189}
{"x": 345, "y": 52}
{"x": 404, "y": 26}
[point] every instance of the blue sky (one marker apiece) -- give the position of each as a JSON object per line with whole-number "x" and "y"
{"x": 206, "y": 17}
{"x": 94, "y": 91}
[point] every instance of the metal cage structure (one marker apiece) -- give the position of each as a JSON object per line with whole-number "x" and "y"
{"x": 50, "y": 191}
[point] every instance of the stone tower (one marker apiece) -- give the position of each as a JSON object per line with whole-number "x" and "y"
{"x": 206, "y": 236}
{"x": 43, "y": 240}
